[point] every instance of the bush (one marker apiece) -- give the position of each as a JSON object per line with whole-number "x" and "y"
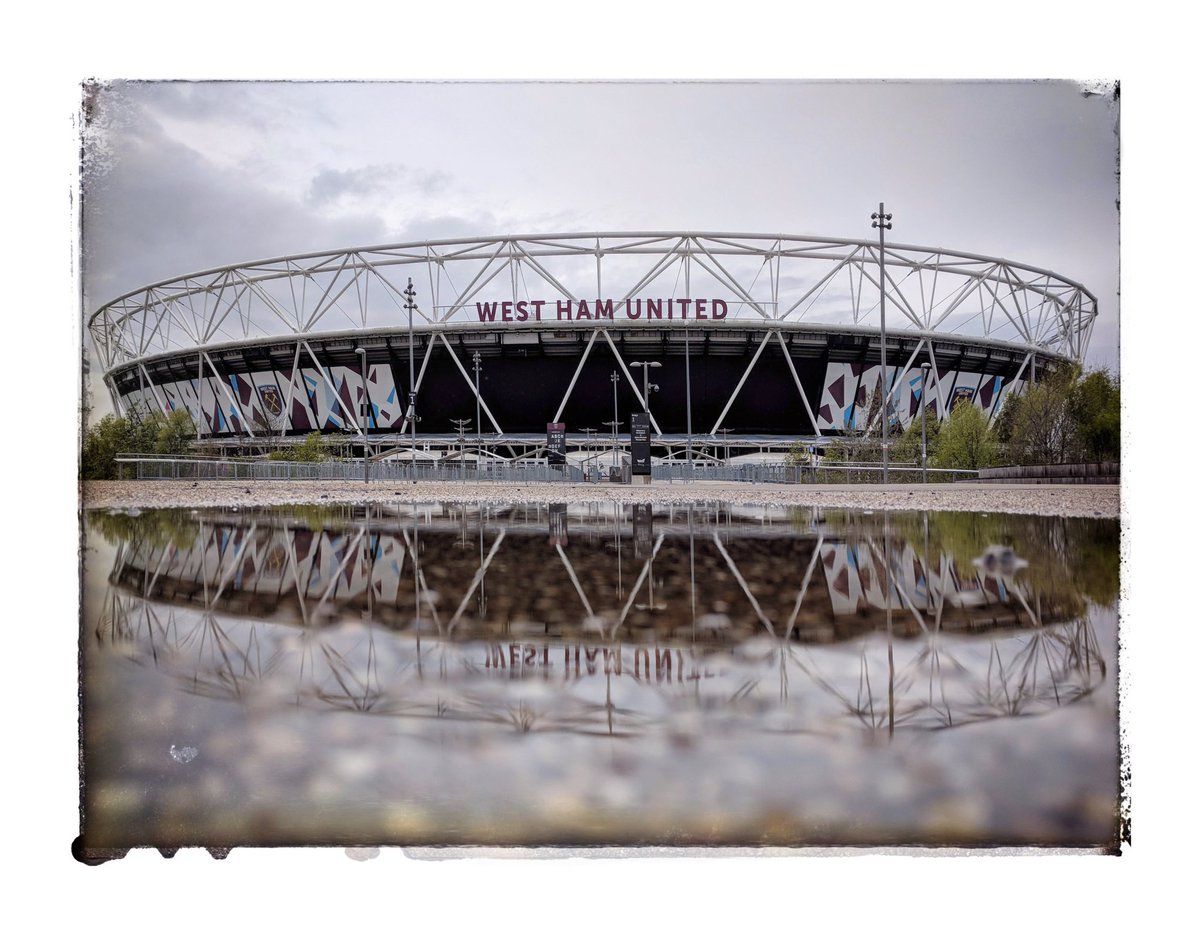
{"x": 908, "y": 446}
{"x": 314, "y": 448}
{"x": 965, "y": 441}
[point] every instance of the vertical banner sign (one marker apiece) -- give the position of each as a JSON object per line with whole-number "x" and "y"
{"x": 556, "y": 442}
{"x": 640, "y": 442}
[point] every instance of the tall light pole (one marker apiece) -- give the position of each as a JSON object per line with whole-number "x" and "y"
{"x": 409, "y": 304}
{"x": 588, "y": 447}
{"x": 687, "y": 371}
{"x": 883, "y": 222}
{"x": 924, "y": 406}
{"x": 462, "y": 446}
{"x": 616, "y": 378}
{"x": 725, "y": 434}
{"x": 478, "y": 424}
{"x": 366, "y": 406}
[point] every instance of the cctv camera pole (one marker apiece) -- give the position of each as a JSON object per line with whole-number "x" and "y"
{"x": 478, "y": 424}
{"x": 409, "y": 304}
{"x": 883, "y": 222}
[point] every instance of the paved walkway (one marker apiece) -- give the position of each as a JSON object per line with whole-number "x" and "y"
{"x": 1041, "y": 499}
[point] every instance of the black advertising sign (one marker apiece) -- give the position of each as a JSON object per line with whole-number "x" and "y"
{"x": 640, "y": 443}
{"x": 556, "y": 442}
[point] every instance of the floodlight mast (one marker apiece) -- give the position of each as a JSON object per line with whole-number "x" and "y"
{"x": 478, "y": 424}
{"x": 883, "y": 222}
{"x": 410, "y": 305}
{"x": 366, "y": 406}
{"x": 615, "y": 380}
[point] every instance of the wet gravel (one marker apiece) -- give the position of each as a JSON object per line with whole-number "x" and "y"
{"x": 1038, "y": 499}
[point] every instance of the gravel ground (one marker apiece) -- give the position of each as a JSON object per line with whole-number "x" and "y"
{"x": 1039, "y": 499}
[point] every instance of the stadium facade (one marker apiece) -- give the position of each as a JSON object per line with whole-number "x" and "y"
{"x": 755, "y": 334}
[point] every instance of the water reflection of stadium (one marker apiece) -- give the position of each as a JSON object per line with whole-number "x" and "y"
{"x": 382, "y": 609}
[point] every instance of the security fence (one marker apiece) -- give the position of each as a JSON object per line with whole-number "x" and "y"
{"x": 160, "y": 467}
{"x": 150, "y": 467}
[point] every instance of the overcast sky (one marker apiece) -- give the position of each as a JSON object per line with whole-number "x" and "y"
{"x": 186, "y": 176}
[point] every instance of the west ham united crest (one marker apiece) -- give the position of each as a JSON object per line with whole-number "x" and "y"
{"x": 272, "y": 403}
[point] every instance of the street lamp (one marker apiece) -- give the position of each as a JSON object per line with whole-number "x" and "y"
{"x": 366, "y": 405}
{"x": 409, "y": 304}
{"x": 883, "y": 222}
{"x": 924, "y": 406}
{"x": 462, "y": 444}
{"x": 588, "y": 446}
{"x": 615, "y": 425}
{"x": 725, "y": 435}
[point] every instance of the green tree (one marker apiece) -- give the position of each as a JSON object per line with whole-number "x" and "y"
{"x": 907, "y": 448}
{"x": 1095, "y": 405}
{"x": 176, "y": 433}
{"x": 964, "y": 441}
{"x": 1040, "y": 427}
{"x": 139, "y": 432}
{"x": 797, "y": 454}
{"x": 1067, "y": 416}
{"x": 103, "y": 442}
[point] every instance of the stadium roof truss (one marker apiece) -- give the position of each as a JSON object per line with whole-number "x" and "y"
{"x": 773, "y": 283}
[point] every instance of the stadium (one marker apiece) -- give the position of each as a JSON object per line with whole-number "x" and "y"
{"x": 747, "y": 342}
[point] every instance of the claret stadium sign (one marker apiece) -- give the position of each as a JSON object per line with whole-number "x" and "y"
{"x": 582, "y": 310}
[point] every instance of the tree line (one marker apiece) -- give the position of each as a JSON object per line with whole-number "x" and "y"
{"x": 1067, "y": 417}
{"x": 146, "y": 432}
{"x": 140, "y": 431}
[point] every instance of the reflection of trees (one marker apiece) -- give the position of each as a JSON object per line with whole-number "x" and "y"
{"x": 158, "y": 528}
{"x": 1080, "y": 554}
{"x": 383, "y": 620}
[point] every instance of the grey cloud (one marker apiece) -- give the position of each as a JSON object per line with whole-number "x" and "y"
{"x": 161, "y": 210}
{"x": 330, "y": 186}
